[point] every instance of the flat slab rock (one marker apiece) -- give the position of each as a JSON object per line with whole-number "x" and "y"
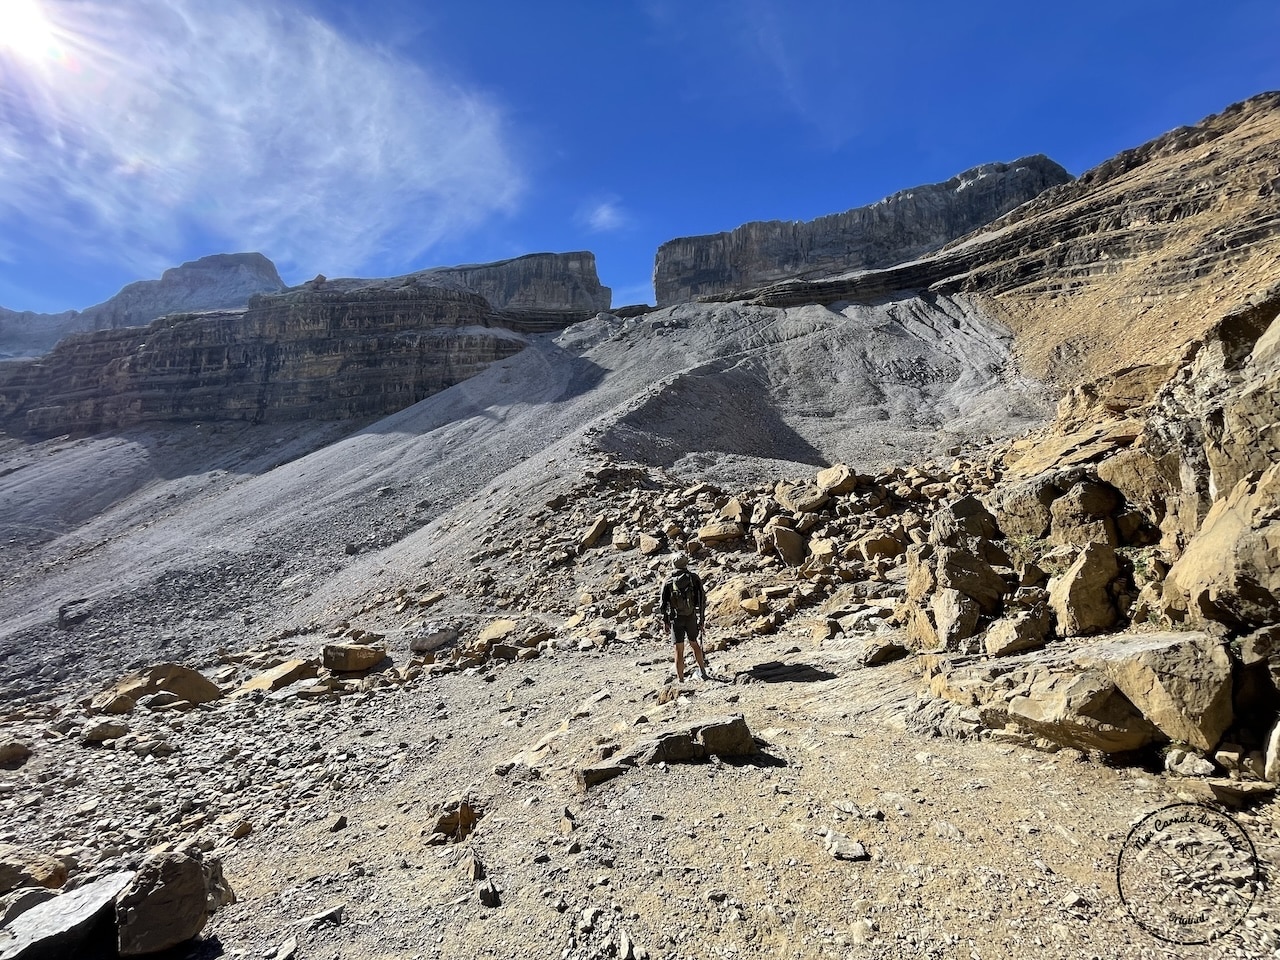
{"x": 720, "y": 737}
{"x": 58, "y": 927}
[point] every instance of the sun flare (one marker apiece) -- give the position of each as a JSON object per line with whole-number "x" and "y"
{"x": 24, "y": 29}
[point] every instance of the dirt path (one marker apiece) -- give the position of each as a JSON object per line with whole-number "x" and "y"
{"x": 974, "y": 848}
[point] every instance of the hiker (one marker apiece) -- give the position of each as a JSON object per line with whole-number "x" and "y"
{"x": 682, "y": 605}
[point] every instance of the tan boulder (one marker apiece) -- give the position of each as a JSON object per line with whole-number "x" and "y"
{"x": 721, "y": 531}
{"x": 955, "y": 617}
{"x": 1230, "y": 571}
{"x": 1083, "y": 515}
{"x": 790, "y": 545}
{"x": 595, "y": 532}
{"x": 1086, "y": 711}
{"x": 1181, "y": 682}
{"x": 24, "y": 867}
{"x": 801, "y": 498}
{"x": 960, "y": 570}
{"x": 877, "y": 545}
{"x": 737, "y": 510}
{"x": 183, "y": 682}
{"x": 837, "y": 480}
{"x": 1080, "y": 599}
{"x": 1025, "y": 630}
{"x": 291, "y": 671}
{"x": 823, "y": 551}
{"x": 1022, "y": 509}
{"x": 649, "y": 545}
{"x": 352, "y": 657}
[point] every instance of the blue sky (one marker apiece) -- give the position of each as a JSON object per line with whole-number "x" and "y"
{"x": 380, "y": 137}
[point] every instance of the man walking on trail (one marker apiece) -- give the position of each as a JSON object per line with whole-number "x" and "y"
{"x": 682, "y": 604}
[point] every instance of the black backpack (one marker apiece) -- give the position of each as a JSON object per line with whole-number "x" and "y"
{"x": 684, "y": 594}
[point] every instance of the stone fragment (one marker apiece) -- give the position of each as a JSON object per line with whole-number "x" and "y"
{"x": 801, "y": 498}
{"x": 289, "y": 672}
{"x": 352, "y": 657}
{"x": 837, "y": 480}
{"x": 1025, "y": 630}
{"x": 961, "y": 520}
{"x": 1187, "y": 763}
{"x": 19, "y": 901}
{"x": 595, "y": 532}
{"x": 60, "y": 926}
{"x": 972, "y": 576}
{"x": 103, "y": 731}
{"x": 1084, "y": 515}
{"x": 432, "y": 636}
{"x": 1181, "y": 682}
{"x": 721, "y": 531}
{"x": 13, "y": 753}
{"x": 24, "y": 867}
{"x": 844, "y": 848}
{"x": 1079, "y": 598}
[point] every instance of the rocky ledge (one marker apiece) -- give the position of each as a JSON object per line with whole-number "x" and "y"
{"x": 323, "y": 350}
{"x": 901, "y": 227}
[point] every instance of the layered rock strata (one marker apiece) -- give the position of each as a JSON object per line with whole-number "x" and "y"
{"x": 210, "y": 283}
{"x": 897, "y": 228}
{"x": 326, "y": 350}
{"x": 1121, "y": 267}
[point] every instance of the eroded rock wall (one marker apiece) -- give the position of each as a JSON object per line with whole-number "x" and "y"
{"x": 897, "y": 228}
{"x": 211, "y": 283}
{"x": 324, "y": 350}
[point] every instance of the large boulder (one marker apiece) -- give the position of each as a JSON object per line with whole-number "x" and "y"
{"x": 960, "y": 570}
{"x": 291, "y": 671}
{"x": 1230, "y": 571}
{"x": 168, "y": 902}
{"x": 1181, "y": 682}
{"x": 1084, "y": 710}
{"x": 1080, "y": 598}
{"x": 1084, "y": 515}
{"x": 183, "y": 682}
{"x": 352, "y": 657}
{"x": 1022, "y": 509}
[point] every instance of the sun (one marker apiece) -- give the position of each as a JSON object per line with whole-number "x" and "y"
{"x": 24, "y": 29}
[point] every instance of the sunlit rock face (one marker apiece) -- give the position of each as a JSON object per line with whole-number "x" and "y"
{"x": 323, "y": 350}
{"x": 897, "y": 228}
{"x": 210, "y": 283}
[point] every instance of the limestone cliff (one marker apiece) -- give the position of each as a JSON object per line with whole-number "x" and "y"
{"x": 210, "y": 283}
{"x": 324, "y": 350}
{"x": 1124, "y": 266}
{"x": 901, "y": 227}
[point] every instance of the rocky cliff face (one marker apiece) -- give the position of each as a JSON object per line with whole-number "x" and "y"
{"x": 901, "y": 227}
{"x": 325, "y": 350}
{"x": 1124, "y": 266}
{"x": 210, "y": 283}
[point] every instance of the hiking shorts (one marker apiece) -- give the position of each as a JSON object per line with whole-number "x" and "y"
{"x": 683, "y": 628}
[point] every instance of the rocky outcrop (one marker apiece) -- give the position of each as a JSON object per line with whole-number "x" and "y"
{"x": 898, "y": 228}
{"x": 210, "y": 283}
{"x": 1122, "y": 267}
{"x": 325, "y": 350}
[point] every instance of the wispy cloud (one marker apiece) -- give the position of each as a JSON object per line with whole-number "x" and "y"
{"x": 151, "y": 122}
{"x": 603, "y": 216}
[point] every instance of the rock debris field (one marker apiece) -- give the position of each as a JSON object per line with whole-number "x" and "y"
{"x": 468, "y": 796}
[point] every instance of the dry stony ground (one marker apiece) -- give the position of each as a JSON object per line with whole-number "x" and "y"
{"x": 979, "y": 849}
{"x": 982, "y": 848}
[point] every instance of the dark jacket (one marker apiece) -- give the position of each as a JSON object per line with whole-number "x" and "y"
{"x": 666, "y": 603}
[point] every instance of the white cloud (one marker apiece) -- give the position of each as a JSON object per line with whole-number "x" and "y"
{"x": 157, "y": 121}
{"x": 604, "y": 217}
